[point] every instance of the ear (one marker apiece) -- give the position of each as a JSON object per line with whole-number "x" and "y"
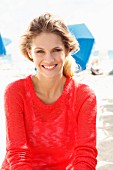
{"x": 29, "y": 53}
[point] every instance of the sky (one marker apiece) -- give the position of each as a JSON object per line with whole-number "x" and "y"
{"x": 96, "y": 14}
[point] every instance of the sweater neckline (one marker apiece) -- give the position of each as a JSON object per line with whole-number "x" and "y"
{"x": 37, "y": 99}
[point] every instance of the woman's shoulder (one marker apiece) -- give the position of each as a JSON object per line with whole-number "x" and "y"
{"x": 16, "y": 85}
{"x": 82, "y": 88}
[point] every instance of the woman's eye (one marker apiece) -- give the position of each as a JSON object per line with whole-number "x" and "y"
{"x": 57, "y": 50}
{"x": 39, "y": 51}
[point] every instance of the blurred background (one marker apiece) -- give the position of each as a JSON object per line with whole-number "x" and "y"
{"x": 95, "y": 14}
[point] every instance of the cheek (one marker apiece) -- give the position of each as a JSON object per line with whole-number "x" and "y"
{"x": 62, "y": 60}
{"x": 63, "y": 57}
{"x": 36, "y": 61}
{"x": 36, "y": 58}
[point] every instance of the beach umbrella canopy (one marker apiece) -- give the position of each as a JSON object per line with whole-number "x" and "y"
{"x": 86, "y": 42}
{"x": 2, "y": 47}
{"x": 6, "y": 41}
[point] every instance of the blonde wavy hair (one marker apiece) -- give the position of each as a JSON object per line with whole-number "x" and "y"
{"x": 51, "y": 24}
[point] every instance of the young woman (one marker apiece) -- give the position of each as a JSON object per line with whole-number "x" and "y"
{"x": 50, "y": 117}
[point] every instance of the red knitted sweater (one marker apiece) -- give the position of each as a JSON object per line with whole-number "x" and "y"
{"x": 60, "y": 136}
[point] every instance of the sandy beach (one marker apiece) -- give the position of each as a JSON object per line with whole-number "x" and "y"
{"x": 101, "y": 84}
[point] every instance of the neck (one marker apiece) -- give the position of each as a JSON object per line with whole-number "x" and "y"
{"x": 49, "y": 87}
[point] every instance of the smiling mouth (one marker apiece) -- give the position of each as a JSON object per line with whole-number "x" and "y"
{"x": 49, "y": 67}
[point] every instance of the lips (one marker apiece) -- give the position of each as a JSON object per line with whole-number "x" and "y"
{"x": 49, "y": 67}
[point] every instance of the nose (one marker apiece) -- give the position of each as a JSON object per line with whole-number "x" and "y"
{"x": 49, "y": 57}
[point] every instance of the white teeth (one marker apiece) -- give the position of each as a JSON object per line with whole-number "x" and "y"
{"x": 49, "y": 67}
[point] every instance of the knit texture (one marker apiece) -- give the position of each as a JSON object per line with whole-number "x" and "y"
{"x": 58, "y": 136}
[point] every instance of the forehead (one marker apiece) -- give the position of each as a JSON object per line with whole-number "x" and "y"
{"x": 47, "y": 39}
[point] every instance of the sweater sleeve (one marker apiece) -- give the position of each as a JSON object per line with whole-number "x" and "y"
{"x": 17, "y": 150}
{"x": 85, "y": 151}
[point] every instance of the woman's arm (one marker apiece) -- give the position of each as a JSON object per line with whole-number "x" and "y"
{"x": 18, "y": 153}
{"x": 85, "y": 151}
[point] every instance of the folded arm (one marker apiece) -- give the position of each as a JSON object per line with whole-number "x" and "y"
{"x": 85, "y": 151}
{"x": 18, "y": 153}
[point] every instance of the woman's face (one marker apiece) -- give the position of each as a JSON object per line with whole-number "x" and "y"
{"x": 48, "y": 53}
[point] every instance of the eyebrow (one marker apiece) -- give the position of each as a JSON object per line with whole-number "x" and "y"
{"x": 43, "y": 48}
{"x": 38, "y": 48}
